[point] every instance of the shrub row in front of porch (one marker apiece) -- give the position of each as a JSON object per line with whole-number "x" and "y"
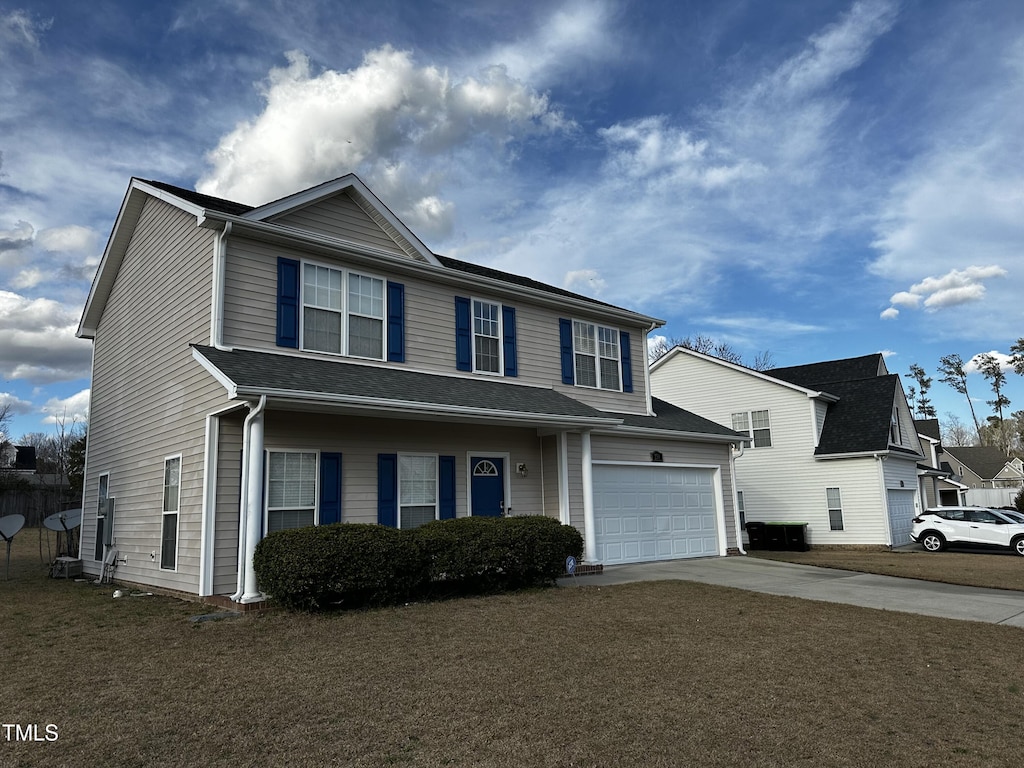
{"x": 357, "y": 565}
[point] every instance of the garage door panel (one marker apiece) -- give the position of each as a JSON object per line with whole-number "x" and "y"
{"x": 901, "y": 515}
{"x": 654, "y": 513}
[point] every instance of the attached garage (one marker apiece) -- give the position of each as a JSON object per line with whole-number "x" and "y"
{"x": 901, "y": 515}
{"x": 644, "y": 513}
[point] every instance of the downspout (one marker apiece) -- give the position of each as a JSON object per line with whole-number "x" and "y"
{"x": 733, "y": 455}
{"x": 220, "y": 256}
{"x": 244, "y": 559}
{"x": 589, "y": 525}
{"x": 253, "y": 502}
{"x": 885, "y": 498}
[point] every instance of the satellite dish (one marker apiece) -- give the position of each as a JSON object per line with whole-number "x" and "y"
{"x": 67, "y": 520}
{"x": 10, "y": 525}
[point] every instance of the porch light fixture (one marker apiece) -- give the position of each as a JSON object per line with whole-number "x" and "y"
{"x": 521, "y": 469}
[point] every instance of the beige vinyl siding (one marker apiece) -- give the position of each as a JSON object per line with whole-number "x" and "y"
{"x": 229, "y": 492}
{"x": 549, "y": 468}
{"x": 251, "y": 309}
{"x": 784, "y": 482}
{"x": 614, "y": 448}
{"x": 340, "y": 216}
{"x": 360, "y": 440}
{"x": 149, "y": 398}
{"x": 575, "y": 451}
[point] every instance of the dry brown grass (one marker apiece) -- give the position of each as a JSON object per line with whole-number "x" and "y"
{"x": 974, "y": 568}
{"x": 653, "y": 674}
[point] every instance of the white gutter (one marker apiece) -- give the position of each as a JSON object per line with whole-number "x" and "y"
{"x": 880, "y": 457}
{"x": 589, "y": 524}
{"x": 733, "y": 455}
{"x": 220, "y": 256}
{"x": 251, "y": 492}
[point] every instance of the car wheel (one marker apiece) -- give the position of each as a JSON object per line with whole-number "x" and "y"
{"x": 934, "y": 542}
{"x": 1018, "y": 545}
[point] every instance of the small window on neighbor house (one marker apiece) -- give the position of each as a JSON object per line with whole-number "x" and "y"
{"x": 835, "y": 509}
{"x": 741, "y": 509}
{"x": 291, "y": 490}
{"x": 756, "y": 425}
{"x": 172, "y": 502}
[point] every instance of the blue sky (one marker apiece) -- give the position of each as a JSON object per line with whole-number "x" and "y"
{"x": 819, "y": 180}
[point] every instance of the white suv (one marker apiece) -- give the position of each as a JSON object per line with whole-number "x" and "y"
{"x": 935, "y": 528}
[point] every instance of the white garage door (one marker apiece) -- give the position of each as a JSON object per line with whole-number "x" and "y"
{"x": 644, "y": 513}
{"x": 901, "y": 516}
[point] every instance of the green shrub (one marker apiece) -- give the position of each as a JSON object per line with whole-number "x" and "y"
{"x": 351, "y": 564}
{"x": 369, "y": 565}
{"x": 1018, "y": 500}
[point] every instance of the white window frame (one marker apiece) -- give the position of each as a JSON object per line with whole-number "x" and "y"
{"x": 102, "y": 494}
{"x": 473, "y": 302}
{"x": 832, "y": 508}
{"x": 267, "y": 509}
{"x": 895, "y": 428}
{"x": 748, "y": 428}
{"x": 437, "y": 485}
{"x": 595, "y": 338}
{"x": 345, "y": 311}
{"x": 165, "y": 513}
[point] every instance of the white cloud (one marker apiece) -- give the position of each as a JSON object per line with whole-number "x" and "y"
{"x": 587, "y": 281}
{"x": 67, "y": 239}
{"x": 887, "y": 353}
{"x": 28, "y": 278}
{"x": 37, "y": 341}
{"x": 18, "y": 237}
{"x": 1004, "y": 360}
{"x": 381, "y": 119}
{"x": 15, "y": 403}
{"x": 19, "y": 29}
{"x": 890, "y": 314}
{"x": 69, "y": 410}
{"x": 951, "y": 289}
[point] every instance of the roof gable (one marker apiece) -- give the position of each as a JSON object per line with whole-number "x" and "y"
{"x": 985, "y": 461}
{"x": 815, "y": 375}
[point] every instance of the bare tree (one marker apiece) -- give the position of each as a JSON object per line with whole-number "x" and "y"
{"x": 952, "y": 369}
{"x": 707, "y": 345}
{"x": 1017, "y": 356}
{"x": 954, "y": 432}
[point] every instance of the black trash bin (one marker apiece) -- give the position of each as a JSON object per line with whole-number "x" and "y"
{"x": 756, "y": 536}
{"x": 787, "y": 537}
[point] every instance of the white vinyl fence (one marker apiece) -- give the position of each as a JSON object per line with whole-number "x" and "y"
{"x": 991, "y": 497}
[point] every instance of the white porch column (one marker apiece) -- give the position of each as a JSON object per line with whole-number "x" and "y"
{"x": 563, "y": 478}
{"x": 253, "y": 506}
{"x": 589, "y": 543}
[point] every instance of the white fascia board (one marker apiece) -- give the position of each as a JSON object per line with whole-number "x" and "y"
{"x": 336, "y": 247}
{"x": 692, "y": 437}
{"x": 327, "y": 189}
{"x": 405, "y": 407}
{"x": 871, "y": 454}
{"x": 217, "y": 374}
{"x": 117, "y": 244}
{"x": 678, "y": 350}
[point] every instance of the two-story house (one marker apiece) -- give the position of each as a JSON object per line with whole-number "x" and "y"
{"x": 938, "y": 488}
{"x": 311, "y": 361}
{"x": 833, "y": 444}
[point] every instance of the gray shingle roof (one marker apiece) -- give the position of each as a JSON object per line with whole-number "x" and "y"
{"x": 814, "y": 375}
{"x": 309, "y": 377}
{"x": 673, "y": 419}
{"x": 983, "y": 460}
{"x": 928, "y": 427}
{"x": 860, "y": 420}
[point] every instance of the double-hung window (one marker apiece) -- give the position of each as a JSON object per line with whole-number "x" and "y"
{"x": 486, "y": 337}
{"x": 596, "y": 356}
{"x": 417, "y": 490}
{"x": 835, "y": 509}
{"x": 291, "y": 489}
{"x": 172, "y": 502}
{"x": 756, "y": 425}
{"x": 342, "y": 312}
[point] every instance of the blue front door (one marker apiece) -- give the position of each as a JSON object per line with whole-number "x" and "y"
{"x": 487, "y": 486}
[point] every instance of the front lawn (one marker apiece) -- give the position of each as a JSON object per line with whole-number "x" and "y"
{"x": 655, "y": 674}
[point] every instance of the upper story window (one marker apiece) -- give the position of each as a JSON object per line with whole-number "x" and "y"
{"x": 895, "y": 435}
{"x": 756, "y": 425}
{"x": 486, "y": 337}
{"x": 596, "y": 356}
{"x": 342, "y": 312}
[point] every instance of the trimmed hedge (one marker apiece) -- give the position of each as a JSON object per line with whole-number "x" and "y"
{"x": 356, "y": 565}
{"x": 350, "y": 564}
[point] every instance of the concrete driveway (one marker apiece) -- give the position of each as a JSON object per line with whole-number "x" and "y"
{"x": 890, "y": 593}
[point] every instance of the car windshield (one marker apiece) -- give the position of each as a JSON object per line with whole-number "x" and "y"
{"x": 1015, "y": 517}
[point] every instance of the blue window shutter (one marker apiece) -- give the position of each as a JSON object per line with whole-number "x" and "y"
{"x": 446, "y": 492}
{"x": 396, "y": 322}
{"x": 287, "y": 303}
{"x": 565, "y": 339}
{"x": 463, "y": 335}
{"x": 330, "y": 488}
{"x": 387, "y": 489}
{"x": 627, "y": 363}
{"x": 508, "y": 323}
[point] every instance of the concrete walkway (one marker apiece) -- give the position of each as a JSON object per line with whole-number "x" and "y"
{"x": 995, "y": 606}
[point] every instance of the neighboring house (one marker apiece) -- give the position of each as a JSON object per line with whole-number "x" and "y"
{"x": 310, "y": 361}
{"x": 833, "y": 443}
{"x": 20, "y": 458}
{"x": 984, "y": 466}
{"x": 937, "y": 486}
